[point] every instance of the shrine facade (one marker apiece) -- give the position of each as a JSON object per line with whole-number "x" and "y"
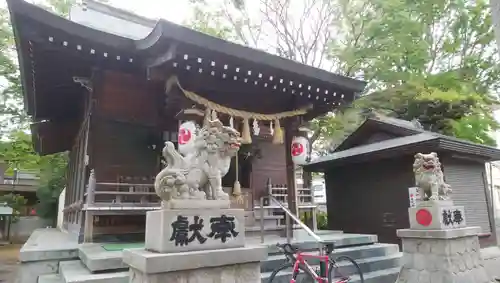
{"x": 112, "y": 100}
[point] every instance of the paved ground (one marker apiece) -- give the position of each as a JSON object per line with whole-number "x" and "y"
{"x": 8, "y": 263}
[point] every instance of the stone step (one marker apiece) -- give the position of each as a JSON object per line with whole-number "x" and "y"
{"x": 357, "y": 253}
{"x": 95, "y": 258}
{"x": 367, "y": 265}
{"x": 75, "y": 272}
{"x": 50, "y": 278}
{"x": 380, "y": 276}
{"x": 339, "y": 240}
{"x": 386, "y": 275}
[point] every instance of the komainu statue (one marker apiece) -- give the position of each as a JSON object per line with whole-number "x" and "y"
{"x": 198, "y": 175}
{"x": 429, "y": 177}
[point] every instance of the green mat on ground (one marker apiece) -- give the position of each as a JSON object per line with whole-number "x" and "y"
{"x": 112, "y": 247}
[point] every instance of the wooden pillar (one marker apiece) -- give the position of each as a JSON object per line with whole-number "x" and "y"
{"x": 290, "y": 131}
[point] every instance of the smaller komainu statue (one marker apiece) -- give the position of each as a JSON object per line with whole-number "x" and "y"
{"x": 198, "y": 175}
{"x": 429, "y": 177}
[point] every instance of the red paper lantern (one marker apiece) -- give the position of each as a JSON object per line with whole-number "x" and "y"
{"x": 187, "y": 135}
{"x": 300, "y": 150}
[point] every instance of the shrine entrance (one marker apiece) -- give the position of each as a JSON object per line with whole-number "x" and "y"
{"x": 127, "y": 97}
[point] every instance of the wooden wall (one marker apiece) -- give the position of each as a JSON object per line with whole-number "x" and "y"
{"x": 271, "y": 165}
{"x": 124, "y": 127}
{"x": 370, "y": 198}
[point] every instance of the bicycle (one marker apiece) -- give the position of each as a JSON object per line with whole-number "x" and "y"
{"x": 297, "y": 261}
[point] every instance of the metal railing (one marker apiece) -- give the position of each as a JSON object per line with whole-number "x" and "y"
{"x": 288, "y": 215}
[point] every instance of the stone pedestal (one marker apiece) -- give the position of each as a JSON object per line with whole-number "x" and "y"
{"x": 439, "y": 248}
{"x": 195, "y": 241}
{"x": 448, "y": 256}
{"x": 182, "y": 230}
{"x": 235, "y": 265}
{"x": 431, "y": 215}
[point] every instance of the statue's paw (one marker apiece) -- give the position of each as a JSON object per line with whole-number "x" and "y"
{"x": 222, "y": 195}
{"x": 170, "y": 181}
{"x": 198, "y": 195}
{"x": 434, "y": 198}
{"x": 183, "y": 188}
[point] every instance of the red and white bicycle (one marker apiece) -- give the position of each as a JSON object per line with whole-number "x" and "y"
{"x": 329, "y": 271}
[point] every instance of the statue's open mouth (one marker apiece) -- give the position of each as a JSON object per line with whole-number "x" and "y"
{"x": 428, "y": 166}
{"x": 234, "y": 145}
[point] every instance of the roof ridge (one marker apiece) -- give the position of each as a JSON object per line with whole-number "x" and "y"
{"x": 118, "y": 12}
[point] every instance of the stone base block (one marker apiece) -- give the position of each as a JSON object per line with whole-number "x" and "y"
{"x": 182, "y": 230}
{"x": 436, "y": 215}
{"x": 239, "y": 265}
{"x": 453, "y": 256}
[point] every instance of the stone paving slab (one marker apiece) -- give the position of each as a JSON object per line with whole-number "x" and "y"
{"x": 49, "y": 244}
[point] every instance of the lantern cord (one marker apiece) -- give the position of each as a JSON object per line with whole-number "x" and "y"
{"x": 173, "y": 80}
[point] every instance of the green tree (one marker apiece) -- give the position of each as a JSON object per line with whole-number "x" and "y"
{"x": 442, "y": 52}
{"x": 455, "y": 110}
{"x": 16, "y": 148}
{"x": 16, "y": 202}
{"x": 18, "y": 152}
{"x": 429, "y": 60}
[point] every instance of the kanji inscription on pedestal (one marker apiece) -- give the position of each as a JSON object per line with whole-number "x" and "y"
{"x": 452, "y": 217}
{"x": 192, "y": 230}
{"x": 198, "y": 229}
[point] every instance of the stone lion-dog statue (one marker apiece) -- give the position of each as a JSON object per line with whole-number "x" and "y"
{"x": 429, "y": 177}
{"x": 199, "y": 174}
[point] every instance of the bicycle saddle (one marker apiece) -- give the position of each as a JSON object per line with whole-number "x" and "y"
{"x": 287, "y": 248}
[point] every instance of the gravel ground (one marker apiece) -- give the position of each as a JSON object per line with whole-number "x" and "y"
{"x": 8, "y": 263}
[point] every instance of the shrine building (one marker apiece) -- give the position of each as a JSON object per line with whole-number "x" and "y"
{"x": 373, "y": 168}
{"x": 112, "y": 99}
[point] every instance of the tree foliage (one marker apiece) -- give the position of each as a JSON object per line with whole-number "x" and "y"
{"x": 16, "y": 147}
{"x": 16, "y": 202}
{"x": 18, "y": 152}
{"x": 430, "y": 60}
{"x": 433, "y": 60}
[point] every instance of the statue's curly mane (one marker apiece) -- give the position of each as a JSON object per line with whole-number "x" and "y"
{"x": 421, "y": 160}
{"x": 216, "y": 137}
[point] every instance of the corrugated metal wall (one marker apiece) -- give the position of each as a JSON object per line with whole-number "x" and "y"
{"x": 468, "y": 184}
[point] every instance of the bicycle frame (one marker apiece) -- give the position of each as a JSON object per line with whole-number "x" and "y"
{"x": 301, "y": 259}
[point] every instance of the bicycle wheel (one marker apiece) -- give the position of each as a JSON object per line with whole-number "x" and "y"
{"x": 344, "y": 269}
{"x": 285, "y": 275}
